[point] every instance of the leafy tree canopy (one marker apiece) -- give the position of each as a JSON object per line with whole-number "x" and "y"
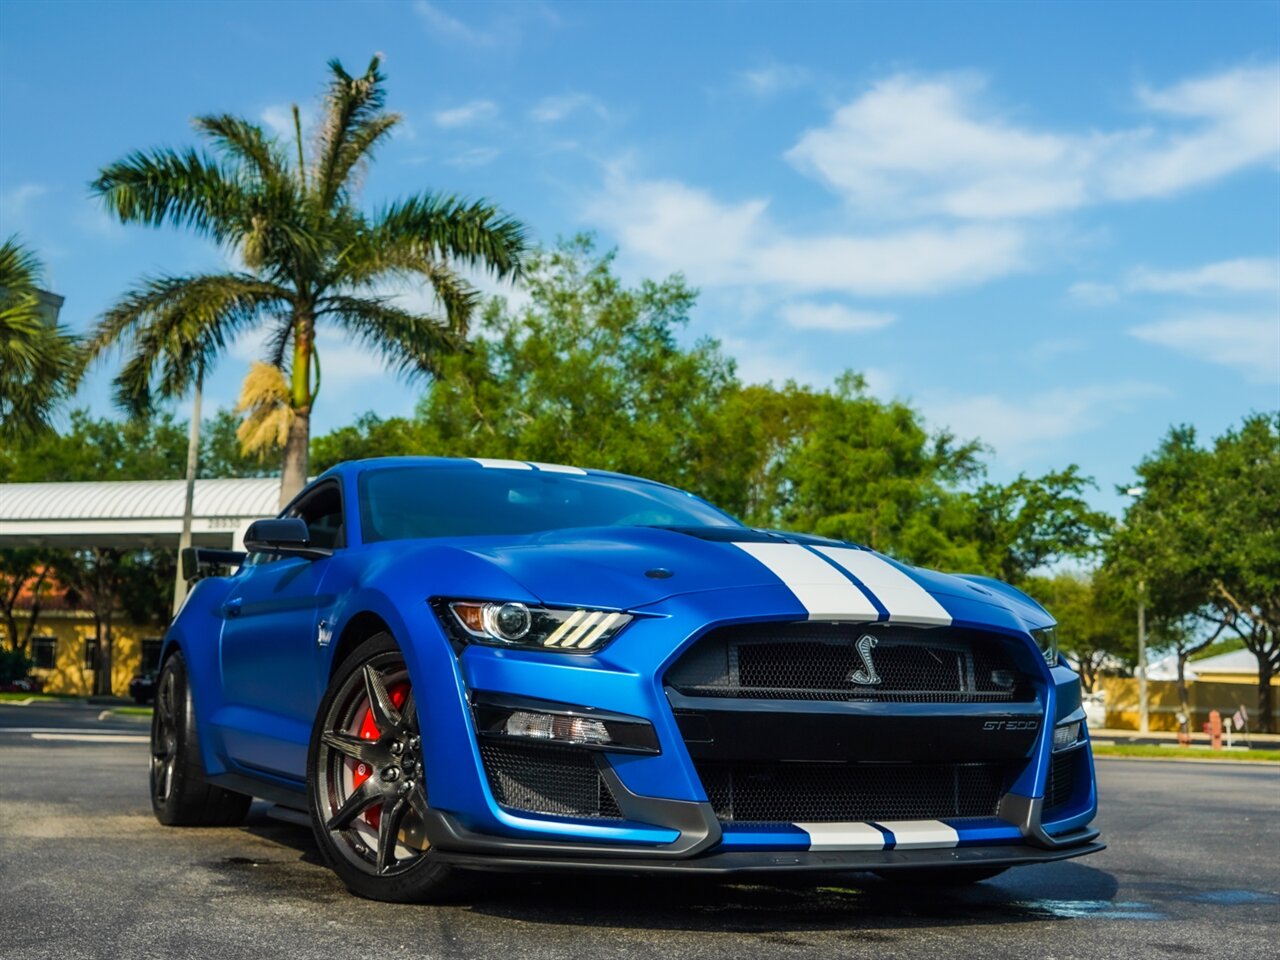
{"x": 591, "y": 372}
{"x": 1203, "y": 540}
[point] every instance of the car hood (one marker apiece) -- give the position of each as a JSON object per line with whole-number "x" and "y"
{"x": 632, "y": 567}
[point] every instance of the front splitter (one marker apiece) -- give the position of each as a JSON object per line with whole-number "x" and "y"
{"x": 757, "y": 862}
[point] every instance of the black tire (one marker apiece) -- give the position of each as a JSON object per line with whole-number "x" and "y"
{"x": 941, "y": 877}
{"x": 353, "y": 768}
{"x": 180, "y": 796}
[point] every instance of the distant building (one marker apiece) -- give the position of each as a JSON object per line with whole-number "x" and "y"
{"x": 124, "y": 515}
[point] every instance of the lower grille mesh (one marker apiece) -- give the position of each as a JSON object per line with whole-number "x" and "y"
{"x": 540, "y": 778}
{"x": 1062, "y": 780}
{"x": 834, "y": 792}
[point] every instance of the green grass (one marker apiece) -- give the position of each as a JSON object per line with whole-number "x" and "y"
{"x": 1184, "y": 753}
{"x": 20, "y": 695}
{"x": 132, "y": 711}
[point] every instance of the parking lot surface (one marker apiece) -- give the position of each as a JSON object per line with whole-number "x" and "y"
{"x": 1193, "y": 869}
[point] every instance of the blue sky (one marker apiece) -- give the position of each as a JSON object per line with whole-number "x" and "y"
{"x": 1055, "y": 227}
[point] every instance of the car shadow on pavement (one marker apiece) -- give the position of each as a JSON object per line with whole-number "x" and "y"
{"x": 838, "y": 902}
{"x": 784, "y": 904}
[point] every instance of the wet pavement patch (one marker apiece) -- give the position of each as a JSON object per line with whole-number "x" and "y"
{"x": 1232, "y": 898}
{"x": 1093, "y": 909}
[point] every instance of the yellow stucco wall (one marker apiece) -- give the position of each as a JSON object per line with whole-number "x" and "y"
{"x": 1162, "y": 696}
{"x": 70, "y": 630}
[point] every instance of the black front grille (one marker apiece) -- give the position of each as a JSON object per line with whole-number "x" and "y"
{"x": 1062, "y": 779}
{"x": 806, "y": 661}
{"x": 540, "y": 778}
{"x": 834, "y": 792}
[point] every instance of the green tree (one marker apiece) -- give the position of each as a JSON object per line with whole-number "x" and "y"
{"x": 221, "y": 454}
{"x": 589, "y": 372}
{"x": 23, "y": 572}
{"x": 311, "y": 256}
{"x": 39, "y": 360}
{"x": 1034, "y": 522}
{"x": 369, "y": 436}
{"x": 864, "y": 470}
{"x": 1094, "y": 625}
{"x": 1203, "y": 540}
{"x": 100, "y": 448}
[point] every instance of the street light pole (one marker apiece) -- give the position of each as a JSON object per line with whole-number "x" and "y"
{"x": 1144, "y": 705}
{"x": 193, "y": 462}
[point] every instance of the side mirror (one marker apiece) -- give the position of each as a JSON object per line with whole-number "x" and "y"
{"x": 288, "y": 537}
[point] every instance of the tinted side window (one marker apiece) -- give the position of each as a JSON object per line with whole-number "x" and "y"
{"x": 322, "y": 511}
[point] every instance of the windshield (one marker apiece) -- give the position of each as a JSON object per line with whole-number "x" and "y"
{"x": 404, "y": 503}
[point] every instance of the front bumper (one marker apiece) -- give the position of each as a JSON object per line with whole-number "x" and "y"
{"x": 456, "y": 845}
{"x": 666, "y": 820}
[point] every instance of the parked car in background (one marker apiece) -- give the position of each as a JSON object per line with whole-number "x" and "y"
{"x": 143, "y": 687}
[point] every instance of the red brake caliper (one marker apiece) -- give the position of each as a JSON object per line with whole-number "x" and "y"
{"x": 369, "y": 731}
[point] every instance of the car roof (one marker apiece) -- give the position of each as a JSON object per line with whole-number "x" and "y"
{"x": 351, "y": 467}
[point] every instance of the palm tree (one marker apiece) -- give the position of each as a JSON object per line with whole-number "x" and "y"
{"x": 311, "y": 256}
{"x": 39, "y": 360}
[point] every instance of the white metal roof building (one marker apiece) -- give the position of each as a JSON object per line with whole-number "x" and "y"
{"x": 131, "y": 514}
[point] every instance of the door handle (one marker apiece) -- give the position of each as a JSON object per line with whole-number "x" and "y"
{"x": 232, "y": 607}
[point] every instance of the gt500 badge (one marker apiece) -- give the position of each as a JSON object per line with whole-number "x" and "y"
{"x": 1011, "y": 725}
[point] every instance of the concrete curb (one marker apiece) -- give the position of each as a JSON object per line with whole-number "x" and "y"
{"x": 133, "y": 717}
{"x": 1199, "y": 760}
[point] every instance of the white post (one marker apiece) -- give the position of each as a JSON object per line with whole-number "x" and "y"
{"x": 193, "y": 461}
{"x": 1144, "y": 706}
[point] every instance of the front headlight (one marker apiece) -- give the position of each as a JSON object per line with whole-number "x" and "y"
{"x": 515, "y": 624}
{"x": 1046, "y": 639}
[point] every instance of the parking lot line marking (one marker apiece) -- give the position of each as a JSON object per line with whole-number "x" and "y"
{"x": 53, "y": 730}
{"x": 92, "y": 737}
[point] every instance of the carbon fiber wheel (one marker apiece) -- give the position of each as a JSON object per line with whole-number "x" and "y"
{"x": 367, "y": 795}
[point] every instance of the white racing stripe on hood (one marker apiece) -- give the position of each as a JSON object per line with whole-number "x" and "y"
{"x": 502, "y": 464}
{"x": 823, "y": 590}
{"x": 920, "y": 834}
{"x": 843, "y": 836}
{"x": 558, "y": 468}
{"x": 906, "y": 600}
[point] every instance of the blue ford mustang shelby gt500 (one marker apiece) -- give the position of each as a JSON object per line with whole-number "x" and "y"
{"x": 496, "y": 664}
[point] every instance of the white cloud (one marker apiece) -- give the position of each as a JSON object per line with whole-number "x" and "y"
{"x": 833, "y": 317}
{"x": 1022, "y": 428}
{"x": 672, "y": 226}
{"x": 927, "y": 146}
{"x": 443, "y": 25}
{"x": 503, "y": 25}
{"x": 766, "y": 361}
{"x": 556, "y": 108}
{"x": 15, "y": 203}
{"x": 1248, "y": 342}
{"x": 1244, "y": 275}
{"x": 773, "y": 79}
{"x": 468, "y": 113}
{"x": 474, "y": 157}
{"x": 1094, "y": 294}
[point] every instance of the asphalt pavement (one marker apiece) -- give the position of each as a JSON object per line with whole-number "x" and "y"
{"x": 1193, "y": 869}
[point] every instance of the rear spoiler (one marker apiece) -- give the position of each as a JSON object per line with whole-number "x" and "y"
{"x": 199, "y": 562}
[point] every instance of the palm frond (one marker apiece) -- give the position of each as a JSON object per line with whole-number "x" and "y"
{"x": 187, "y": 189}
{"x": 411, "y": 344}
{"x": 174, "y": 327}
{"x": 442, "y": 227}
{"x": 353, "y": 123}
{"x": 247, "y": 141}
{"x": 40, "y": 362}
